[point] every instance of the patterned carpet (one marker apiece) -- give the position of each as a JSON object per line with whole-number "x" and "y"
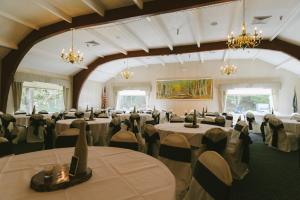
{"x": 274, "y": 175}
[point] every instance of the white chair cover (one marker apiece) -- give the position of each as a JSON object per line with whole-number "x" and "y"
{"x": 228, "y": 120}
{"x": 218, "y": 169}
{"x": 235, "y": 149}
{"x": 253, "y": 125}
{"x": 124, "y": 139}
{"x": 266, "y": 128}
{"x": 152, "y": 140}
{"x": 36, "y": 133}
{"x": 281, "y": 139}
{"x": 175, "y": 153}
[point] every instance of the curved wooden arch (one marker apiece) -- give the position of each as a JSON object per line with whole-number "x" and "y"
{"x": 81, "y": 77}
{"x": 11, "y": 61}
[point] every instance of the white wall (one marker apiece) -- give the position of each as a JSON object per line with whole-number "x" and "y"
{"x": 249, "y": 71}
{"x": 90, "y": 95}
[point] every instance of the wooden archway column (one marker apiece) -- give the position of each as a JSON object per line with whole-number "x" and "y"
{"x": 11, "y": 61}
{"x": 81, "y": 77}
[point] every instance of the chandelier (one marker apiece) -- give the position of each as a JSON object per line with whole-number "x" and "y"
{"x": 228, "y": 69}
{"x": 126, "y": 74}
{"x": 244, "y": 40}
{"x": 72, "y": 56}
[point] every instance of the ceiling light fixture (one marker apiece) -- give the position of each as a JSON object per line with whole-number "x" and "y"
{"x": 72, "y": 56}
{"x": 228, "y": 69}
{"x": 126, "y": 74}
{"x": 244, "y": 40}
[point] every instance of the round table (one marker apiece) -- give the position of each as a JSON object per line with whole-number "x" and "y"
{"x": 144, "y": 117}
{"x": 99, "y": 128}
{"x": 117, "y": 174}
{"x": 193, "y": 135}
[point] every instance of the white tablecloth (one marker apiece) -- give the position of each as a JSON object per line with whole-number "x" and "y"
{"x": 99, "y": 128}
{"x": 23, "y": 120}
{"x": 144, "y": 117}
{"x": 193, "y": 135}
{"x": 291, "y": 125}
{"x": 117, "y": 174}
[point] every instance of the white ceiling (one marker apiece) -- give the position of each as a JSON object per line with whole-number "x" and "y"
{"x": 168, "y": 30}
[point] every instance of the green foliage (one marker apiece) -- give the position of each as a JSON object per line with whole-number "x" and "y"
{"x": 241, "y": 103}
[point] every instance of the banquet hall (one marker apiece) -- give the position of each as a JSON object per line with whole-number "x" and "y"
{"x": 150, "y": 99}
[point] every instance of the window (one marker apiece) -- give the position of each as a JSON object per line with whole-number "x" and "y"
{"x": 240, "y": 100}
{"x": 44, "y": 96}
{"x": 127, "y": 99}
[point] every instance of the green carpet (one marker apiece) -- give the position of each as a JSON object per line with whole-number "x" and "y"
{"x": 274, "y": 175}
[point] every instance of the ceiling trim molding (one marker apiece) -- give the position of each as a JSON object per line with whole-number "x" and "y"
{"x": 12, "y": 60}
{"x": 82, "y": 76}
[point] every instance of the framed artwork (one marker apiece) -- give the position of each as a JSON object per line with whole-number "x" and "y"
{"x": 184, "y": 89}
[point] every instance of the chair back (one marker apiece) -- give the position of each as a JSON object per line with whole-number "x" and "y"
{"x": 36, "y": 129}
{"x": 124, "y": 139}
{"x": 175, "y": 153}
{"x": 152, "y": 139}
{"x": 250, "y": 119}
{"x": 215, "y": 139}
{"x": 277, "y": 129}
{"x": 8, "y": 122}
{"x": 156, "y": 116}
{"x": 63, "y": 141}
{"x": 228, "y": 120}
{"x": 135, "y": 122}
{"x": 212, "y": 178}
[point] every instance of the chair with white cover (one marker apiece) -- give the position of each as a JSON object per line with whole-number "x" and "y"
{"x": 113, "y": 128}
{"x": 228, "y": 120}
{"x": 152, "y": 140}
{"x": 175, "y": 153}
{"x": 215, "y": 139}
{"x": 124, "y": 139}
{"x": 36, "y": 130}
{"x": 265, "y": 128}
{"x": 253, "y": 125}
{"x": 281, "y": 139}
{"x": 211, "y": 178}
{"x": 237, "y": 152}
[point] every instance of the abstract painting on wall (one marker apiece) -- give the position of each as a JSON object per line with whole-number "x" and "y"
{"x": 184, "y": 89}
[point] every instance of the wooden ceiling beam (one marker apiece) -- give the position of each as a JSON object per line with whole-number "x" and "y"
{"x": 6, "y": 44}
{"x": 82, "y": 76}
{"x": 18, "y": 20}
{"x": 12, "y": 60}
{"x": 96, "y": 6}
{"x": 139, "y": 3}
{"x": 54, "y": 10}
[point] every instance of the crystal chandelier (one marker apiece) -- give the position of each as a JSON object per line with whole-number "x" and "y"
{"x": 228, "y": 69}
{"x": 244, "y": 40}
{"x": 72, "y": 56}
{"x": 126, "y": 74}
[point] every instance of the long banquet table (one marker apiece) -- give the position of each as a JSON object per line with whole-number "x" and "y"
{"x": 99, "y": 128}
{"x": 193, "y": 135}
{"x": 117, "y": 174}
